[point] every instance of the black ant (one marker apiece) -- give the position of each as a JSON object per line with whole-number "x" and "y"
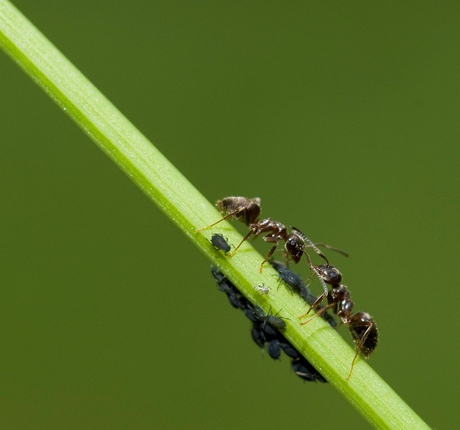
{"x": 362, "y": 327}
{"x": 295, "y": 242}
{"x": 240, "y": 208}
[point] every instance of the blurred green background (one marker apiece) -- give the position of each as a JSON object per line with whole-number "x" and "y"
{"x": 342, "y": 117}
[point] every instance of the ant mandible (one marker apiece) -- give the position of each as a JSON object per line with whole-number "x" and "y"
{"x": 361, "y": 325}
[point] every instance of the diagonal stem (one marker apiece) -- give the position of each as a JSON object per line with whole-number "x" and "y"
{"x": 189, "y": 210}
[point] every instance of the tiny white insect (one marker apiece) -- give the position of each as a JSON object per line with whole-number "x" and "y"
{"x": 262, "y": 289}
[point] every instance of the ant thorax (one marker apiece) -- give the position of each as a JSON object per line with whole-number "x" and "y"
{"x": 276, "y": 230}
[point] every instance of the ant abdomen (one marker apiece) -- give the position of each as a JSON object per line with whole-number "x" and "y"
{"x": 364, "y": 332}
{"x": 241, "y": 208}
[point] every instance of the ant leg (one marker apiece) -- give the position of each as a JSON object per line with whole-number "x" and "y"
{"x": 314, "y": 306}
{"x": 270, "y": 253}
{"x": 332, "y": 248}
{"x": 217, "y": 222}
{"x": 320, "y": 312}
{"x": 245, "y": 238}
{"x": 358, "y": 349}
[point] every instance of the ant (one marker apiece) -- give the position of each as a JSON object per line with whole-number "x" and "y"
{"x": 361, "y": 325}
{"x": 248, "y": 211}
{"x": 295, "y": 242}
{"x": 240, "y": 208}
{"x": 218, "y": 242}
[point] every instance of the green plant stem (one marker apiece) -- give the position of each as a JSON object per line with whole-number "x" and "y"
{"x": 189, "y": 210}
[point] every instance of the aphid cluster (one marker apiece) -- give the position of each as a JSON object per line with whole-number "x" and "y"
{"x": 362, "y": 327}
{"x": 266, "y": 330}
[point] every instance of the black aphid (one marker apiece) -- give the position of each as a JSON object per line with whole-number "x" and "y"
{"x": 218, "y": 242}
{"x": 303, "y": 369}
{"x": 294, "y": 281}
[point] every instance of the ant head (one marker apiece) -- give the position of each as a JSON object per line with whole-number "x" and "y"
{"x": 294, "y": 246}
{"x": 329, "y": 274}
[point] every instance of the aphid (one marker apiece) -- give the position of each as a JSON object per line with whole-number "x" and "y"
{"x": 262, "y": 289}
{"x": 289, "y": 349}
{"x": 218, "y": 242}
{"x": 303, "y": 369}
{"x": 258, "y": 336}
{"x": 268, "y": 323}
{"x": 294, "y": 281}
{"x": 286, "y": 275}
{"x": 237, "y": 300}
{"x": 240, "y": 208}
{"x": 217, "y": 274}
{"x": 361, "y": 325}
{"x": 274, "y": 349}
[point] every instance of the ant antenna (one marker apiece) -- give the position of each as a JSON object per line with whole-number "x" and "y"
{"x": 310, "y": 244}
{"x": 321, "y": 280}
{"x": 333, "y": 248}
